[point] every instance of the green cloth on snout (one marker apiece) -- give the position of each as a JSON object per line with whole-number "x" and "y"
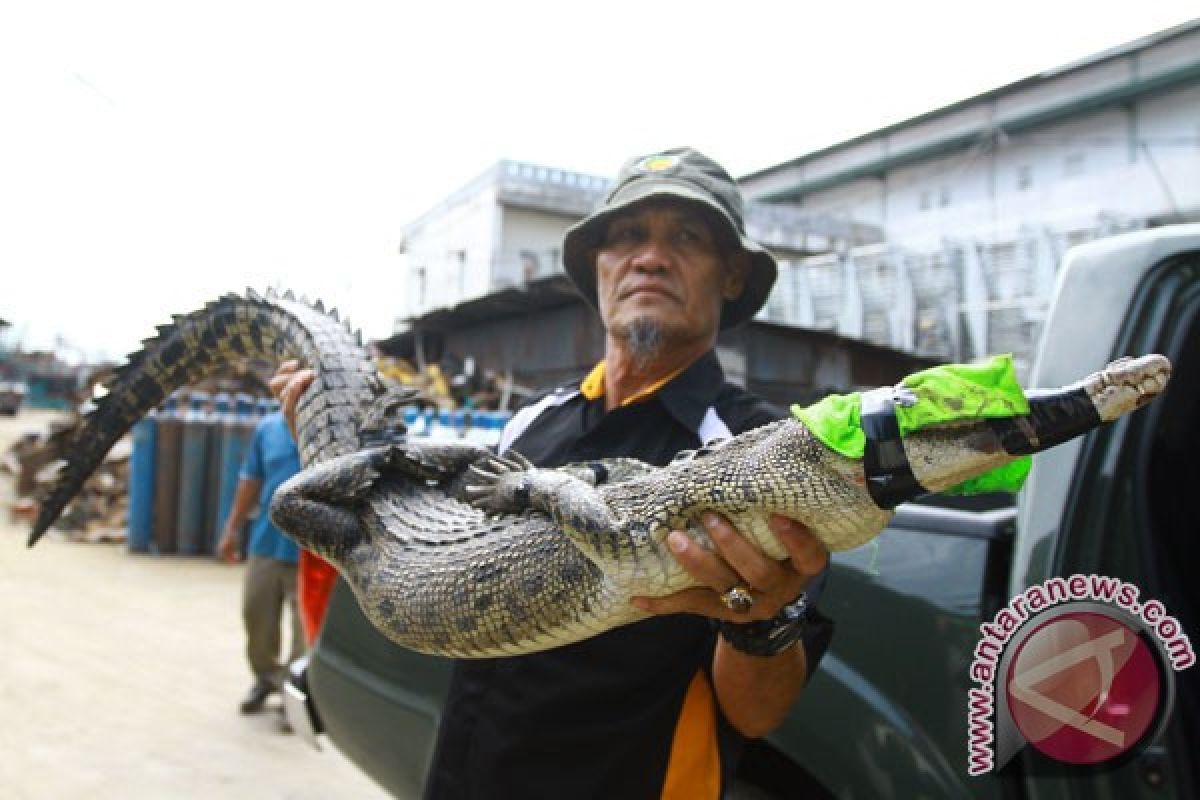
{"x": 949, "y": 393}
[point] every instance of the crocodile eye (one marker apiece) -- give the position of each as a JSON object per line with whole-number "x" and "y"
{"x": 684, "y": 455}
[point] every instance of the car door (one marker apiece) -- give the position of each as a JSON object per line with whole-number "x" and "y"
{"x": 1131, "y": 515}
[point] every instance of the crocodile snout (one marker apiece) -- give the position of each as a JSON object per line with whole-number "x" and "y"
{"x": 1128, "y": 384}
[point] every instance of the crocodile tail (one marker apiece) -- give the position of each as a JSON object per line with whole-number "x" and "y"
{"x": 192, "y": 347}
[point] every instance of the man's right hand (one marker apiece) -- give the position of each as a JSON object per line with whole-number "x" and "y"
{"x": 227, "y": 549}
{"x": 287, "y": 384}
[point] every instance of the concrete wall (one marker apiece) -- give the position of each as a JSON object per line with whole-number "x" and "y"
{"x": 502, "y": 229}
{"x": 530, "y": 245}
{"x": 448, "y": 255}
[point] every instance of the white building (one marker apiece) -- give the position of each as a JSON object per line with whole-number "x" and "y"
{"x": 505, "y": 229}
{"x": 978, "y": 200}
{"x": 500, "y": 230}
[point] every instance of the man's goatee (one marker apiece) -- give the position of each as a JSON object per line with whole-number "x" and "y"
{"x": 643, "y": 339}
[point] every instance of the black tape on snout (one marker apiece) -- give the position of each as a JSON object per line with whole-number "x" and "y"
{"x": 1055, "y": 416}
{"x": 890, "y": 479}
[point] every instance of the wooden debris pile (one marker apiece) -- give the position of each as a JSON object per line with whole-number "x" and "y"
{"x": 99, "y": 512}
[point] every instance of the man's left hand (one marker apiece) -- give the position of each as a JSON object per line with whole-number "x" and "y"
{"x": 736, "y": 561}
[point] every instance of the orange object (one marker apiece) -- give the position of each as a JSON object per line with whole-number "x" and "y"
{"x": 315, "y": 581}
{"x": 694, "y": 770}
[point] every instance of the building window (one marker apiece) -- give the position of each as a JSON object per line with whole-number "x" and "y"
{"x": 1073, "y": 165}
{"x": 419, "y": 273}
{"x": 944, "y": 196}
{"x": 925, "y": 201}
{"x": 529, "y": 266}
{"x": 461, "y": 257}
{"x": 1024, "y": 177}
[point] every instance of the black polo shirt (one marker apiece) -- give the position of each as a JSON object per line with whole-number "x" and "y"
{"x": 599, "y": 718}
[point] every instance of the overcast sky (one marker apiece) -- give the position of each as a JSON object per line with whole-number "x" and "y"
{"x": 155, "y": 155}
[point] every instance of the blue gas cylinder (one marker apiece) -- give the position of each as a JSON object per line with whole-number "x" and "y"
{"x": 235, "y": 434}
{"x": 214, "y": 424}
{"x": 193, "y": 475}
{"x": 496, "y": 422}
{"x": 411, "y": 417}
{"x": 168, "y": 437}
{"x": 141, "y": 484}
{"x": 441, "y": 427}
{"x": 243, "y": 404}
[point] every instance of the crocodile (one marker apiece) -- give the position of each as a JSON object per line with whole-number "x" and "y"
{"x": 454, "y": 550}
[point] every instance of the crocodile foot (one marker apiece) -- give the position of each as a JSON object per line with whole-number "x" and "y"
{"x": 501, "y": 484}
{"x": 426, "y": 460}
{"x": 381, "y": 423}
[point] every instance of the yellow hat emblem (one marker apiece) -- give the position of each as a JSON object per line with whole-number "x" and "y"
{"x": 658, "y": 163}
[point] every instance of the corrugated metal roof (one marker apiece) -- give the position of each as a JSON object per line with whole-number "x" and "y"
{"x": 1109, "y": 54}
{"x": 556, "y": 291}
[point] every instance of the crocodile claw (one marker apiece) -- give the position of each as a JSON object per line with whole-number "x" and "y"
{"x": 503, "y": 487}
{"x": 478, "y": 496}
{"x": 524, "y": 462}
{"x": 482, "y": 473}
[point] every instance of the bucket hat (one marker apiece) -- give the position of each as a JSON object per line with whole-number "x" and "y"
{"x": 689, "y": 175}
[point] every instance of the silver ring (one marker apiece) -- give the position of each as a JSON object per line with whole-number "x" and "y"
{"x": 738, "y": 599}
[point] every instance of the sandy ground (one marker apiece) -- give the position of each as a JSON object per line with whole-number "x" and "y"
{"x": 120, "y": 676}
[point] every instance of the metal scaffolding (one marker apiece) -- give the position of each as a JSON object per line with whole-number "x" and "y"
{"x": 963, "y": 301}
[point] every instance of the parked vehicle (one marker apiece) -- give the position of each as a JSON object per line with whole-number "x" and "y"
{"x": 886, "y": 715}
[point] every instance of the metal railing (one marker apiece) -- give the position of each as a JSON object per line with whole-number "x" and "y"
{"x": 962, "y": 301}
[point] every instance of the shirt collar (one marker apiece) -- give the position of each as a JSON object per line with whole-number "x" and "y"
{"x": 687, "y": 395}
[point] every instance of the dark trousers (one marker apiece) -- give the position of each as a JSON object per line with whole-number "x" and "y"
{"x": 269, "y": 586}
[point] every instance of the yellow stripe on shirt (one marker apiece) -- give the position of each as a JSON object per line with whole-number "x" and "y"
{"x": 592, "y": 386}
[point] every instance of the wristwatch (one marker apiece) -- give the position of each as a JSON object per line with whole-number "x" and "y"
{"x": 798, "y": 621}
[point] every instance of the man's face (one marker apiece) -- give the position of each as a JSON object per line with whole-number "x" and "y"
{"x": 659, "y": 263}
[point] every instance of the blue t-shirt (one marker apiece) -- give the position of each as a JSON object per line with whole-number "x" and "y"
{"x": 272, "y": 459}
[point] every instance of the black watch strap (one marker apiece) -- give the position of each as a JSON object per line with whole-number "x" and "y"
{"x": 799, "y": 621}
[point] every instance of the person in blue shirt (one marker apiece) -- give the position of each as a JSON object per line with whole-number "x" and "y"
{"x": 271, "y": 565}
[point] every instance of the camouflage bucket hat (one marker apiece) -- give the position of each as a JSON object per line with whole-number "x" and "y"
{"x": 689, "y": 175}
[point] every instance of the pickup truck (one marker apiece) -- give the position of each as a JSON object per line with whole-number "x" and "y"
{"x": 886, "y": 714}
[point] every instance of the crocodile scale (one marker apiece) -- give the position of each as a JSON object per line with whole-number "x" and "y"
{"x": 452, "y": 550}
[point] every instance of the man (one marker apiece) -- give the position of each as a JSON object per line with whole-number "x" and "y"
{"x": 658, "y": 708}
{"x": 270, "y": 582}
